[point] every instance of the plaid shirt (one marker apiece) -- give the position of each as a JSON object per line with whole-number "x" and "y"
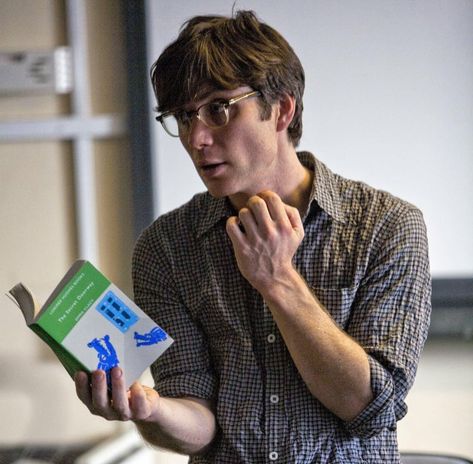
{"x": 364, "y": 255}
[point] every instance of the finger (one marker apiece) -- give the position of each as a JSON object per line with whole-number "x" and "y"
{"x": 295, "y": 220}
{"x": 238, "y": 233}
{"x": 100, "y": 399}
{"x": 81, "y": 380}
{"x": 293, "y": 216}
{"x": 120, "y": 402}
{"x": 234, "y": 229}
{"x": 259, "y": 210}
{"x": 275, "y": 206}
{"x": 247, "y": 219}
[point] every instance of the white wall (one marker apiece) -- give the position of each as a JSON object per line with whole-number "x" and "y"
{"x": 389, "y": 100}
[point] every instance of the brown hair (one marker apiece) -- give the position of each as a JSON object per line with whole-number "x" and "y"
{"x": 226, "y": 53}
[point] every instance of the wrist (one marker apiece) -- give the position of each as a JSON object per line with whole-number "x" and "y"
{"x": 282, "y": 286}
{"x": 156, "y": 414}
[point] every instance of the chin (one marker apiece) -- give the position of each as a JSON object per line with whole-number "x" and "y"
{"x": 217, "y": 193}
{"x": 221, "y": 192}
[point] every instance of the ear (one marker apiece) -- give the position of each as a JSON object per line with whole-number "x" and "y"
{"x": 287, "y": 108}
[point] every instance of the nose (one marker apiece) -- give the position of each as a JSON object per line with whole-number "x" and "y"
{"x": 199, "y": 135}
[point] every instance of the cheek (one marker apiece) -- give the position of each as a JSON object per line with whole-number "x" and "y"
{"x": 261, "y": 145}
{"x": 184, "y": 143}
{"x": 187, "y": 148}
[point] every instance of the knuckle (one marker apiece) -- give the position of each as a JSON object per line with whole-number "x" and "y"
{"x": 92, "y": 409}
{"x": 271, "y": 234}
{"x": 97, "y": 411}
{"x": 284, "y": 227}
{"x": 121, "y": 410}
{"x": 124, "y": 416}
{"x": 96, "y": 404}
{"x": 295, "y": 212}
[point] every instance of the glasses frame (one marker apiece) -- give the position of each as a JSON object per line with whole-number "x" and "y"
{"x": 226, "y": 103}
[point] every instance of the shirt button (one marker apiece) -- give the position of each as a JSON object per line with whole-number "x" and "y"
{"x": 271, "y": 338}
{"x": 273, "y": 456}
{"x": 274, "y": 399}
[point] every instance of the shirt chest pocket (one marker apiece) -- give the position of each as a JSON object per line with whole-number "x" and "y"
{"x": 337, "y": 301}
{"x": 223, "y": 311}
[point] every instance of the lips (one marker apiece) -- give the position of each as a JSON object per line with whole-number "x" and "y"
{"x": 210, "y": 166}
{"x": 211, "y": 169}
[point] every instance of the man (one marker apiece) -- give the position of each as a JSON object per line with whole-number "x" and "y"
{"x": 299, "y": 300}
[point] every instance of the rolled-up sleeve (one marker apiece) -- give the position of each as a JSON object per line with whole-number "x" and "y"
{"x": 390, "y": 318}
{"x": 185, "y": 368}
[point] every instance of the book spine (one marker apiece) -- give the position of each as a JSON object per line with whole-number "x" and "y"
{"x": 70, "y": 362}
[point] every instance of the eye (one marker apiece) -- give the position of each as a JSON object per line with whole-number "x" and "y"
{"x": 216, "y": 107}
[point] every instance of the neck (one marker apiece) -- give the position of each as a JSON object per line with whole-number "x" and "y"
{"x": 299, "y": 196}
{"x": 292, "y": 182}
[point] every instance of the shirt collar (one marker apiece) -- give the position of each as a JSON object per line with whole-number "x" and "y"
{"x": 214, "y": 211}
{"x": 324, "y": 192}
{"x": 325, "y": 187}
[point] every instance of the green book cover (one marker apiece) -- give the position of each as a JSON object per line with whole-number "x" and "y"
{"x": 91, "y": 324}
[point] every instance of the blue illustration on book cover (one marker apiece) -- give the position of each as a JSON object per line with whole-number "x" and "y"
{"x": 117, "y": 312}
{"x": 106, "y": 354}
{"x": 154, "y": 336}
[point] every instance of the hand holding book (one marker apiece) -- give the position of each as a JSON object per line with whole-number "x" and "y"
{"x": 114, "y": 401}
{"x": 92, "y": 325}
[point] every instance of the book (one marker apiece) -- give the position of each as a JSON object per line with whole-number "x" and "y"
{"x": 91, "y": 324}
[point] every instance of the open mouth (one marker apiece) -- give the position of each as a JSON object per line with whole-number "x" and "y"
{"x": 211, "y": 168}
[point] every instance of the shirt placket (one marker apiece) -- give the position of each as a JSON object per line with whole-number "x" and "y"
{"x": 275, "y": 420}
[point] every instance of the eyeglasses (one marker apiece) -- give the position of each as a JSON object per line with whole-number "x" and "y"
{"x": 213, "y": 114}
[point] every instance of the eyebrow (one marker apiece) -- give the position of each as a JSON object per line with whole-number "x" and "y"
{"x": 203, "y": 95}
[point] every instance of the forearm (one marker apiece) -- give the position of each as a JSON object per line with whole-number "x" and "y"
{"x": 333, "y": 366}
{"x": 183, "y": 425}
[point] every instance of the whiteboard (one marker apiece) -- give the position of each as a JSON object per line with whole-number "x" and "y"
{"x": 389, "y": 100}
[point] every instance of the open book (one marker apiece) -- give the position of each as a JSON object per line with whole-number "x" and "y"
{"x": 91, "y": 324}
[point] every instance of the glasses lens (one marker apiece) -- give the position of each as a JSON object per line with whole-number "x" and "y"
{"x": 170, "y": 125}
{"x": 214, "y": 114}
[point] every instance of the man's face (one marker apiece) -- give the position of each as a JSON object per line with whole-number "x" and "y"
{"x": 239, "y": 159}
